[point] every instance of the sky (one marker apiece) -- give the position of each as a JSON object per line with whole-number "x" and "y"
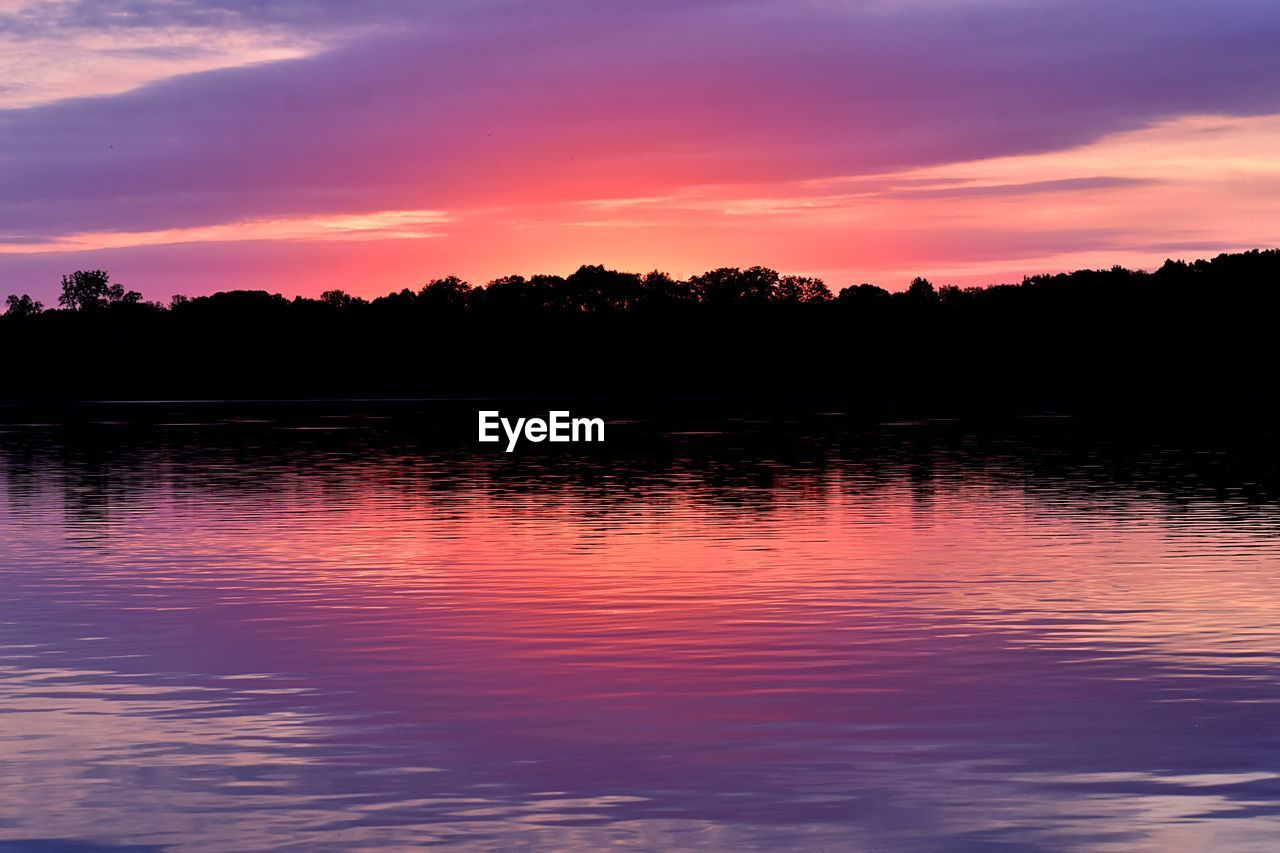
{"x": 302, "y": 145}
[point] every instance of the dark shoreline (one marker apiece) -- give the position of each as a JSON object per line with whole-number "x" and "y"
{"x": 1192, "y": 335}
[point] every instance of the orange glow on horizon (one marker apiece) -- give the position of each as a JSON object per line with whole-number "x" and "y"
{"x": 1203, "y": 184}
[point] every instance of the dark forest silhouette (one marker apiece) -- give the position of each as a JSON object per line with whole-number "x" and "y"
{"x": 1201, "y": 329}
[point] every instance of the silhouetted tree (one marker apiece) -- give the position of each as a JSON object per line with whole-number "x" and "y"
{"x": 235, "y": 305}
{"x": 921, "y": 292}
{"x": 511, "y": 291}
{"x": 449, "y": 293}
{"x": 659, "y": 289}
{"x": 796, "y": 288}
{"x": 400, "y": 302}
{"x": 949, "y": 294}
{"x": 730, "y": 285}
{"x": 22, "y": 306}
{"x": 340, "y": 300}
{"x": 863, "y": 296}
{"x": 515, "y": 293}
{"x": 592, "y": 289}
{"x": 90, "y": 290}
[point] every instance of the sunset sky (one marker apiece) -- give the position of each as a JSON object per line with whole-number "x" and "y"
{"x": 301, "y": 145}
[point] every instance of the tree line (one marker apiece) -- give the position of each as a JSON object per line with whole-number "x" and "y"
{"x": 596, "y": 290}
{"x": 1204, "y": 323}
{"x": 589, "y": 290}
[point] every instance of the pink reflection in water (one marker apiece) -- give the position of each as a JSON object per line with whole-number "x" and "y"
{"x": 210, "y": 646}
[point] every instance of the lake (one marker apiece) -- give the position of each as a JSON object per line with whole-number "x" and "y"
{"x": 351, "y": 627}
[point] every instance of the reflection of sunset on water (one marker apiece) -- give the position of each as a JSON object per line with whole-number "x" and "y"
{"x": 387, "y": 645}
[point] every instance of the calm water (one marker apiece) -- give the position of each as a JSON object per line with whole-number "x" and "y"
{"x": 244, "y": 630}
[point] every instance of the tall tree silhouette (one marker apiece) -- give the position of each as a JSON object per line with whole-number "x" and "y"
{"x": 90, "y": 290}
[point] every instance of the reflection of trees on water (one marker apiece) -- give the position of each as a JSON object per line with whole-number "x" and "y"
{"x": 755, "y": 469}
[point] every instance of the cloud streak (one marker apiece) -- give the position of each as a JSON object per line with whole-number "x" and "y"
{"x": 380, "y": 225}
